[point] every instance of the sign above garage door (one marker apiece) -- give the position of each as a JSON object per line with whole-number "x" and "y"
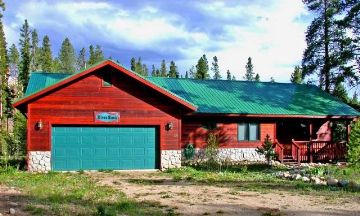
{"x": 107, "y": 116}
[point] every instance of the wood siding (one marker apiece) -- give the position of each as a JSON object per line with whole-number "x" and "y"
{"x": 194, "y": 132}
{"x": 75, "y": 104}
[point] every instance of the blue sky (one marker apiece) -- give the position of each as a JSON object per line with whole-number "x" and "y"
{"x": 272, "y": 32}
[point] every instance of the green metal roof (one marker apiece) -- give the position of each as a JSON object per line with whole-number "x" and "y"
{"x": 235, "y": 97}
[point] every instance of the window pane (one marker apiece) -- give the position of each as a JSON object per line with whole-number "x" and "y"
{"x": 253, "y": 131}
{"x": 242, "y": 131}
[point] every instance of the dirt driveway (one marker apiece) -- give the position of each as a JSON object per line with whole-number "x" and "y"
{"x": 189, "y": 198}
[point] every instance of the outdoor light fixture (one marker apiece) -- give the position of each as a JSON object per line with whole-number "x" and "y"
{"x": 39, "y": 125}
{"x": 169, "y": 126}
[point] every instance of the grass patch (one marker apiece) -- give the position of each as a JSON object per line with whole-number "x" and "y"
{"x": 259, "y": 178}
{"x": 73, "y": 194}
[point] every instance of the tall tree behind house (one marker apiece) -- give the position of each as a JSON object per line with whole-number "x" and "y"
{"x": 215, "y": 68}
{"x": 81, "y": 60}
{"x": 46, "y": 59}
{"x": 249, "y": 70}
{"x": 67, "y": 57}
{"x": 202, "y": 68}
{"x": 3, "y": 67}
{"x": 24, "y": 66}
{"x": 35, "y": 52}
{"x": 163, "y": 69}
{"x": 296, "y": 76}
{"x": 228, "y": 75}
{"x": 173, "y": 72}
{"x": 329, "y": 48}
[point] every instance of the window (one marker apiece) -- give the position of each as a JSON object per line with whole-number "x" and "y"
{"x": 107, "y": 82}
{"x": 248, "y": 132}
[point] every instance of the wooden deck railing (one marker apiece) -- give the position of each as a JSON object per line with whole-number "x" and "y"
{"x": 296, "y": 151}
{"x": 314, "y": 150}
{"x": 279, "y": 150}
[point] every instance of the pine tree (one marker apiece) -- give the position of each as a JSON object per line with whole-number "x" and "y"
{"x": 173, "y": 72}
{"x": 215, "y": 68}
{"x": 328, "y": 49}
{"x": 192, "y": 72}
{"x": 14, "y": 58}
{"x": 157, "y": 72}
{"x": 354, "y": 99}
{"x": 139, "y": 66}
{"x": 24, "y": 67}
{"x": 163, "y": 69}
{"x": 92, "y": 57}
{"x": 296, "y": 76}
{"x": 133, "y": 63}
{"x": 186, "y": 75}
{"x": 228, "y": 75}
{"x": 272, "y": 79}
{"x": 35, "y": 52}
{"x": 145, "y": 70}
{"x": 56, "y": 65}
{"x": 340, "y": 92}
{"x": 99, "y": 55}
{"x": 153, "y": 71}
{"x": 257, "y": 78}
{"x": 233, "y": 78}
{"x": 46, "y": 55}
{"x": 249, "y": 74}
{"x": 81, "y": 60}
{"x": 202, "y": 68}
{"x": 3, "y": 69}
{"x": 67, "y": 57}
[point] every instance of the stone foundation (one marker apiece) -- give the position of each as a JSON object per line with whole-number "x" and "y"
{"x": 170, "y": 159}
{"x": 39, "y": 161}
{"x": 229, "y": 154}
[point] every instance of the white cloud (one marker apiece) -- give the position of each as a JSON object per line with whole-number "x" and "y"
{"x": 269, "y": 35}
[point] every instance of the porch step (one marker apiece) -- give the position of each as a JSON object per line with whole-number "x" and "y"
{"x": 289, "y": 160}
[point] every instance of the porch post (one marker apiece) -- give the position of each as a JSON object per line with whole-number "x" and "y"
{"x": 310, "y": 145}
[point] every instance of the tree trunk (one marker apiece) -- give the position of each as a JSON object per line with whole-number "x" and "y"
{"x": 326, "y": 68}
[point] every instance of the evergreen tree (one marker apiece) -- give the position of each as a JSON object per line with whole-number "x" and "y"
{"x": 46, "y": 55}
{"x": 272, "y": 79}
{"x": 233, "y": 78}
{"x": 81, "y": 60}
{"x": 133, "y": 63}
{"x": 56, "y": 65}
{"x": 215, "y": 68}
{"x": 99, "y": 55}
{"x": 92, "y": 57}
{"x": 67, "y": 57}
{"x": 353, "y": 150}
{"x": 163, "y": 69}
{"x": 228, "y": 75}
{"x": 13, "y": 61}
{"x": 186, "y": 75}
{"x": 25, "y": 55}
{"x": 202, "y": 68}
{"x": 354, "y": 99}
{"x": 157, "y": 72}
{"x": 257, "y": 78}
{"x": 153, "y": 71}
{"x": 145, "y": 70}
{"x": 296, "y": 76}
{"x": 173, "y": 72}
{"x": 35, "y": 52}
{"x": 340, "y": 92}
{"x": 192, "y": 72}
{"x": 249, "y": 74}
{"x": 328, "y": 45}
{"x": 139, "y": 66}
{"x": 3, "y": 68}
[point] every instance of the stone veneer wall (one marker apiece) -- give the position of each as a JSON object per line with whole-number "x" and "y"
{"x": 39, "y": 161}
{"x": 229, "y": 154}
{"x": 170, "y": 159}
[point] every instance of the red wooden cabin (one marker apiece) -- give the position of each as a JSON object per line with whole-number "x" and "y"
{"x": 108, "y": 117}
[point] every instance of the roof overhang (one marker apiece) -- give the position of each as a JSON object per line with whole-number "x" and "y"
{"x": 23, "y": 101}
{"x": 242, "y": 115}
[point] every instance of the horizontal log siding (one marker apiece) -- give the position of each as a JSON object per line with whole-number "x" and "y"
{"x": 76, "y": 102}
{"x": 193, "y": 132}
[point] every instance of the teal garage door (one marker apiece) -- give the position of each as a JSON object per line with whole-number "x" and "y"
{"x": 94, "y": 148}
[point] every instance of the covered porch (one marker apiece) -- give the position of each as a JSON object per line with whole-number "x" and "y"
{"x": 311, "y": 140}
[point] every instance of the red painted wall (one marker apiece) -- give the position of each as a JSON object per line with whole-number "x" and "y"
{"x": 193, "y": 132}
{"x": 76, "y": 103}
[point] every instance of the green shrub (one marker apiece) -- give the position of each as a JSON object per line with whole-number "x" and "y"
{"x": 353, "y": 153}
{"x": 267, "y": 149}
{"x": 211, "y": 152}
{"x": 189, "y": 152}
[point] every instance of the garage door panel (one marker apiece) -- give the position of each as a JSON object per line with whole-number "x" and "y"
{"x": 89, "y": 148}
